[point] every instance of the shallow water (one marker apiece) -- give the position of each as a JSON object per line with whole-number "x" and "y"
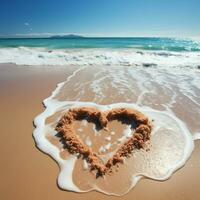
{"x": 168, "y": 96}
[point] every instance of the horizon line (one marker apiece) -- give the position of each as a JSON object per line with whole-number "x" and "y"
{"x": 83, "y": 35}
{"x": 99, "y": 37}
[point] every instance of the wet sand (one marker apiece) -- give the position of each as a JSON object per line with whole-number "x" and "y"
{"x": 26, "y": 173}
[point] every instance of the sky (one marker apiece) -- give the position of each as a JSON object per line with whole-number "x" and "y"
{"x": 34, "y": 18}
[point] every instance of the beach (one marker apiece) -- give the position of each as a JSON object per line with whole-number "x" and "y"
{"x": 100, "y": 100}
{"x": 26, "y": 172}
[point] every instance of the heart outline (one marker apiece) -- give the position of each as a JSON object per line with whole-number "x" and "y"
{"x": 141, "y": 134}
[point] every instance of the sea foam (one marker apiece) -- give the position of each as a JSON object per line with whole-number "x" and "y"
{"x": 167, "y": 160}
{"x": 172, "y": 141}
{"x": 108, "y": 57}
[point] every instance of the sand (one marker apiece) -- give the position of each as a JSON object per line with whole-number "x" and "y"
{"x": 27, "y": 173}
{"x": 65, "y": 127}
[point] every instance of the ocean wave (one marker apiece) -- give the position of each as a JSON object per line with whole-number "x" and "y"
{"x": 107, "y": 57}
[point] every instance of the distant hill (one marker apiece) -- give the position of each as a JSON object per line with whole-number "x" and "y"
{"x": 70, "y": 36}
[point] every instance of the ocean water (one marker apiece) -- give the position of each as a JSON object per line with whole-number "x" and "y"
{"x": 166, "y": 44}
{"x": 158, "y": 76}
{"x": 102, "y": 51}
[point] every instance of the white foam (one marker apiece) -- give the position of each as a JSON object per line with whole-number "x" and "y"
{"x": 66, "y": 169}
{"x": 123, "y": 57}
{"x": 88, "y": 142}
{"x": 108, "y": 138}
{"x": 66, "y": 166}
{"x": 127, "y": 132}
{"x": 85, "y": 164}
{"x": 107, "y": 146}
{"x": 84, "y": 123}
{"x": 164, "y": 118}
{"x": 102, "y": 149}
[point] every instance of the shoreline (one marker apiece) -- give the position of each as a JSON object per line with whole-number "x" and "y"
{"x": 26, "y": 170}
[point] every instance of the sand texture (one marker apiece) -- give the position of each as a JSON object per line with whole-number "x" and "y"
{"x": 27, "y": 173}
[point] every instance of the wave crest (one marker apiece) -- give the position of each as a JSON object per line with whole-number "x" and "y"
{"x": 107, "y": 57}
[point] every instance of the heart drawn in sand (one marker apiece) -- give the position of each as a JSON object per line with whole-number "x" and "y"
{"x": 74, "y": 145}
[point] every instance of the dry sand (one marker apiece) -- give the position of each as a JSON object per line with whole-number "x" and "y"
{"x": 26, "y": 173}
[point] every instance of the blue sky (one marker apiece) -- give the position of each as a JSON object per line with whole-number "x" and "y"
{"x": 100, "y": 17}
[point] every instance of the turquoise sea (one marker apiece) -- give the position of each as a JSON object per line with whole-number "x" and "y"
{"x": 143, "y": 43}
{"x": 138, "y": 51}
